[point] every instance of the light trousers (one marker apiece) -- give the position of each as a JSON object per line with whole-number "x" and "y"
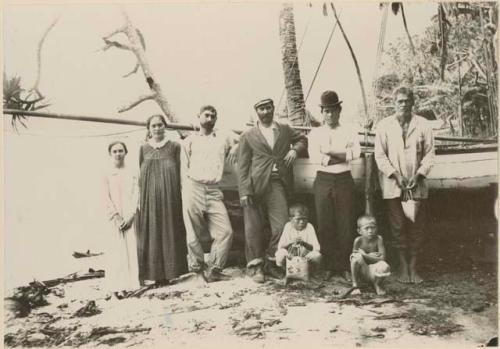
{"x": 204, "y": 211}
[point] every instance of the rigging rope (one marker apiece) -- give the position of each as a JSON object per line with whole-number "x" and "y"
{"x": 296, "y": 58}
{"x": 321, "y": 60}
{"x": 378, "y": 57}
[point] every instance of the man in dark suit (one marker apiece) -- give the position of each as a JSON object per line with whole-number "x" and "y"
{"x": 265, "y": 169}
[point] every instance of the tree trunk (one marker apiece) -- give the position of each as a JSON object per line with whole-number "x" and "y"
{"x": 293, "y": 84}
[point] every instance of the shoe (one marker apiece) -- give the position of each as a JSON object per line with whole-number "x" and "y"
{"x": 214, "y": 274}
{"x": 256, "y": 273}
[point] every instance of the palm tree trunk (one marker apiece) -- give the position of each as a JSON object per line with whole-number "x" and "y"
{"x": 290, "y": 62}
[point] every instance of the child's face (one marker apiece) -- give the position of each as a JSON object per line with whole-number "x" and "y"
{"x": 368, "y": 229}
{"x": 299, "y": 221}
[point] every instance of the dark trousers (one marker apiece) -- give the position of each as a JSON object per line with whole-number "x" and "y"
{"x": 334, "y": 200}
{"x": 406, "y": 235}
{"x": 272, "y": 208}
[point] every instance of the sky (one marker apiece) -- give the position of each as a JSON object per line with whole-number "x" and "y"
{"x": 225, "y": 54}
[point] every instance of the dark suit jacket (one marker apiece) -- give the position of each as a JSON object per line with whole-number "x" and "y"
{"x": 256, "y": 158}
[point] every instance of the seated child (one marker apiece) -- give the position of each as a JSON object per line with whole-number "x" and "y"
{"x": 368, "y": 256}
{"x": 298, "y": 230}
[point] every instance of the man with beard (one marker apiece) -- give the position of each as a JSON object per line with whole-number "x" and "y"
{"x": 202, "y": 165}
{"x": 404, "y": 152}
{"x": 265, "y": 169}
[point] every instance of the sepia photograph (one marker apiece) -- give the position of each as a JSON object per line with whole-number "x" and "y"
{"x": 250, "y": 174}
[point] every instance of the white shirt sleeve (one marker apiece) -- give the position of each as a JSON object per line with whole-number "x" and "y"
{"x": 285, "y": 238}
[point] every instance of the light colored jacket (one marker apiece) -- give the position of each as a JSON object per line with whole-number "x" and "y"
{"x": 392, "y": 154}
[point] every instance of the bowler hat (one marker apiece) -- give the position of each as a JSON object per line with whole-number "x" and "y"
{"x": 329, "y": 99}
{"x": 263, "y": 102}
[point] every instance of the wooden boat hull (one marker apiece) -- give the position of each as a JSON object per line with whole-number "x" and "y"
{"x": 453, "y": 169}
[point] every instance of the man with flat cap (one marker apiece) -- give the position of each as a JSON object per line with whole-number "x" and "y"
{"x": 332, "y": 147}
{"x": 265, "y": 169}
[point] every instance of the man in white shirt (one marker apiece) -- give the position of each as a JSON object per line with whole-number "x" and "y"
{"x": 333, "y": 146}
{"x": 202, "y": 166}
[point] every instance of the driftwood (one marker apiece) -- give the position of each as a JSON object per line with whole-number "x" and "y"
{"x": 91, "y": 274}
{"x": 77, "y": 254}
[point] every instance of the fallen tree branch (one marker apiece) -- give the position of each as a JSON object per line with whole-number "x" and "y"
{"x": 136, "y": 68}
{"x": 39, "y": 57}
{"x": 137, "y": 102}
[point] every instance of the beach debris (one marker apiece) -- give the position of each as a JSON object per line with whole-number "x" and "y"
{"x": 197, "y": 326}
{"x": 87, "y": 254}
{"x": 26, "y": 298}
{"x": 91, "y": 274}
{"x": 348, "y": 292}
{"x": 165, "y": 295}
{"x": 379, "y": 329}
{"x": 89, "y": 309}
{"x": 253, "y": 324}
{"x": 391, "y": 316}
{"x": 231, "y": 304}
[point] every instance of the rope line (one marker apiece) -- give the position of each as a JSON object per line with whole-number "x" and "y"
{"x": 321, "y": 60}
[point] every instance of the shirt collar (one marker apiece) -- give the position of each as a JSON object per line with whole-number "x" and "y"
{"x": 274, "y": 125}
{"x": 157, "y": 145}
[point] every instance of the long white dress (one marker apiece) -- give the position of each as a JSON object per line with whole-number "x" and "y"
{"x": 121, "y": 198}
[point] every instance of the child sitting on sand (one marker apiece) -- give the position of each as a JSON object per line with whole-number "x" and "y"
{"x": 368, "y": 256}
{"x": 298, "y": 230}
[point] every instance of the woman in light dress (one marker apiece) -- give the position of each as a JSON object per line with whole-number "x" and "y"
{"x": 121, "y": 197}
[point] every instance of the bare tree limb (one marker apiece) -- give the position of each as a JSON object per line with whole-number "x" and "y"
{"x": 119, "y": 30}
{"x": 35, "y": 87}
{"x": 112, "y": 43}
{"x": 137, "y": 102}
{"x": 358, "y": 71}
{"x": 136, "y": 68}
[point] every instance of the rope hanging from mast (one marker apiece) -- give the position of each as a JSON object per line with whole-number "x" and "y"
{"x": 321, "y": 60}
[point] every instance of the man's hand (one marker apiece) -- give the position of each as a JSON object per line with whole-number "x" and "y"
{"x": 290, "y": 157}
{"x": 246, "y": 201}
{"x": 401, "y": 181}
{"x": 412, "y": 183}
{"x": 232, "y": 155}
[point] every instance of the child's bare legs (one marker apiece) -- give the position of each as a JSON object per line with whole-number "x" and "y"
{"x": 357, "y": 266}
{"x": 378, "y": 273}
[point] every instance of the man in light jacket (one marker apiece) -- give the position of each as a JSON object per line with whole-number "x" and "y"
{"x": 404, "y": 152}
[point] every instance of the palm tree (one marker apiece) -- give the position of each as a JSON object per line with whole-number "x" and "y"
{"x": 289, "y": 55}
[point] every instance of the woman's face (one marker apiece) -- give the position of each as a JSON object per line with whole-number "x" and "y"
{"x": 157, "y": 128}
{"x": 118, "y": 154}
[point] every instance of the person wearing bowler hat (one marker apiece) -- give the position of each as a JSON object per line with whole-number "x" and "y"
{"x": 267, "y": 152}
{"x": 332, "y": 147}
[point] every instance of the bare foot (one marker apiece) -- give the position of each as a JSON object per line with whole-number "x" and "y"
{"x": 356, "y": 291}
{"x": 347, "y": 276}
{"x": 403, "y": 276}
{"x": 380, "y": 290}
{"x": 414, "y": 277}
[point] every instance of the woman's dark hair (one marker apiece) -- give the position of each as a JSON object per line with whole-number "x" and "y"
{"x": 148, "y": 123}
{"x": 112, "y": 144}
